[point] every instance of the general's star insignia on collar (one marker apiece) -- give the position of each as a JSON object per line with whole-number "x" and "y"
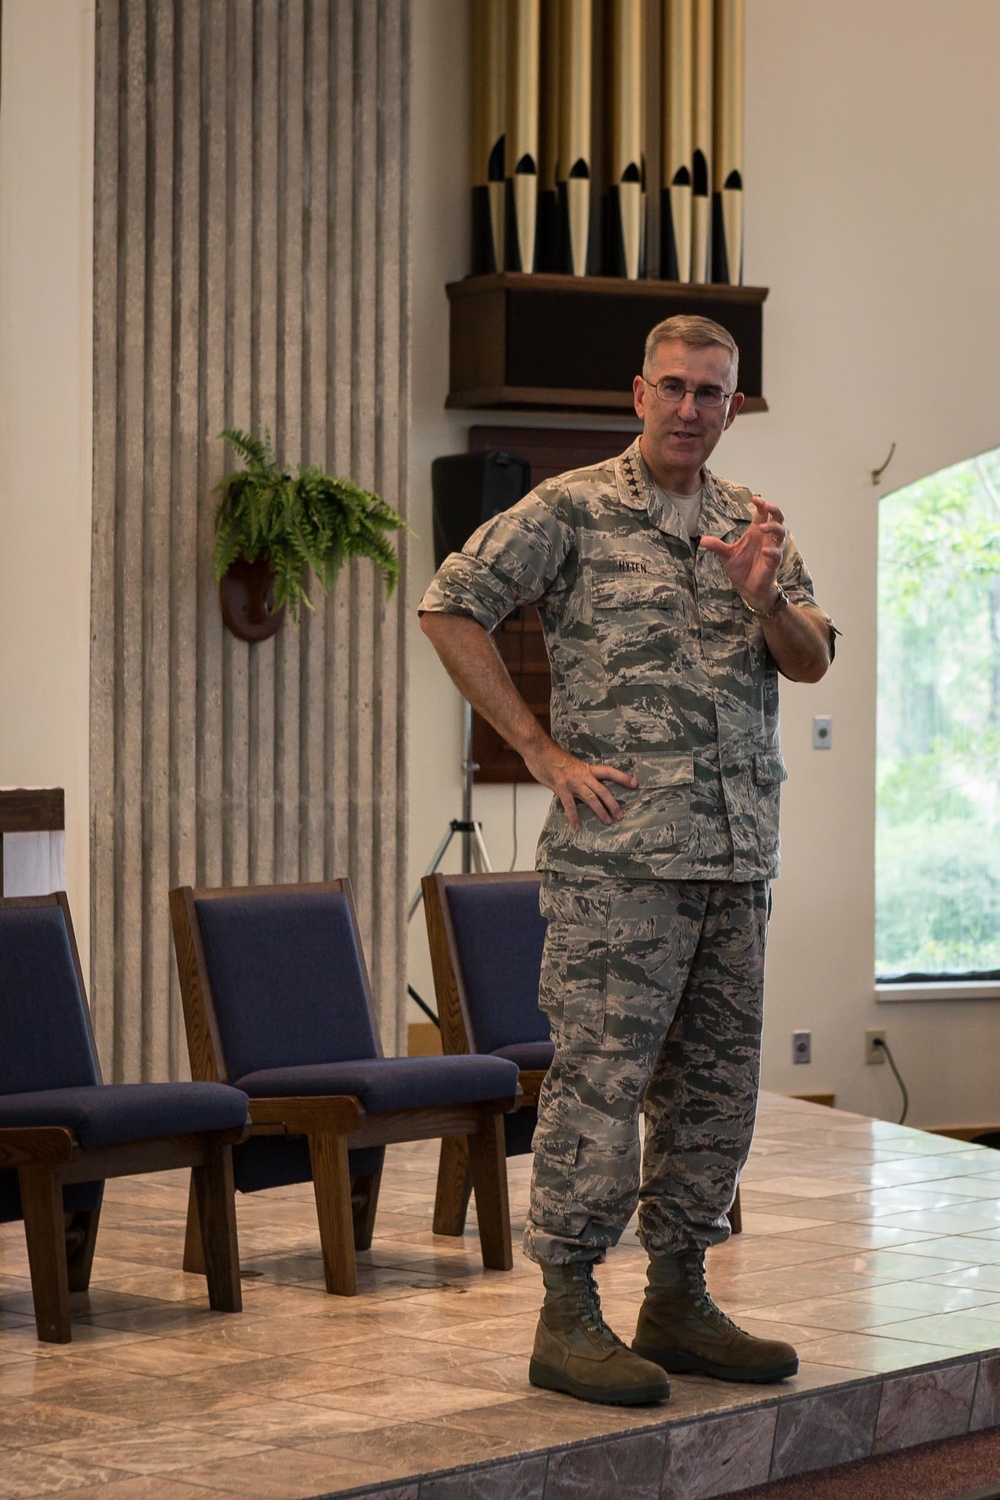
{"x": 633, "y": 477}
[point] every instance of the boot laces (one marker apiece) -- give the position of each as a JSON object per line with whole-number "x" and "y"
{"x": 590, "y": 1301}
{"x": 693, "y": 1271}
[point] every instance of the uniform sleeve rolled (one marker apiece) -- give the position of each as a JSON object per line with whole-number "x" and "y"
{"x": 518, "y": 557}
{"x": 796, "y": 580}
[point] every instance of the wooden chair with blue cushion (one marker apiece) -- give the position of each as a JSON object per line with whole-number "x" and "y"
{"x": 63, "y": 1131}
{"x": 277, "y": 1001}
{"x": 486, "y": 936}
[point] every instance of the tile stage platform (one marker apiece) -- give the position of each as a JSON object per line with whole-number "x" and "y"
{"x": 874, "y": 1247}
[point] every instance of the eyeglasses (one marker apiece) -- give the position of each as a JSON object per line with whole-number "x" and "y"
{"x": 672, "y": 390}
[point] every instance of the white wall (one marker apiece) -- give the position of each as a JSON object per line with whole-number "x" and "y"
{"x": 873, "y": 214}
{"x": 439, "y": 197}
{"x": 46, "y": 190}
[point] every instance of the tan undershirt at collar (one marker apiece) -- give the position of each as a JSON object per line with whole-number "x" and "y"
{"x": 688, "y": 507}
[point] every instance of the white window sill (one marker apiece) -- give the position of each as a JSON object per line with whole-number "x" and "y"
{"x": 948, "y": 989}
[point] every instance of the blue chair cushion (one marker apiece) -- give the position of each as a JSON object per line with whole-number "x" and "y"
{"x": 500, "y": 934}
{"x": 528, "y": 1054}
{"x": 287, "y": 979}
{"x": 113, "y": 1113}
{"x": 46, "y": 1044}
{"x": 386, "y": 1083}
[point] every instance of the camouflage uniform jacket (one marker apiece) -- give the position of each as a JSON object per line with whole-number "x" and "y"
{"x": 657, "y": 668}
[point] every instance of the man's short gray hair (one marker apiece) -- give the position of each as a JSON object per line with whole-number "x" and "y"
{"x": 696, "y": 332}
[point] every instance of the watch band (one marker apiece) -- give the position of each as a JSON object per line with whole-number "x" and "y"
{"x": 781, "y": 602}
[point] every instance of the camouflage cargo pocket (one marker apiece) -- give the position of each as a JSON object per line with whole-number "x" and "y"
{"x": 553, "y": 1189}
{"x": 768, "y": 774}
{"x": 574, "y": 983}
{"x": 658, "y": 812}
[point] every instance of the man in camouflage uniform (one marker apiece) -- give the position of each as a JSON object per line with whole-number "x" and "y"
{"x": 669, "y": 600}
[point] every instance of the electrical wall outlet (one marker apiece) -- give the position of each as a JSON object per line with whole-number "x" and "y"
{"x": 801, "y": 1046}
{"x": 822, "y": 732}
{"x": 873, "y": 1052}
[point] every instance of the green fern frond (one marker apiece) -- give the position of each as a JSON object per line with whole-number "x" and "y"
{"x": 309, "y": 522}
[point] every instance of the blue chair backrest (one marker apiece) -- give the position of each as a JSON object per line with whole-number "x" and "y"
{"x": 499, "y": 932}
{"x": 44, "y": 1038}
{"x": 287, "y": 979}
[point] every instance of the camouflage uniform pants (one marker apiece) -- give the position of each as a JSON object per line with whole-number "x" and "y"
{"x": 653, "y": 990}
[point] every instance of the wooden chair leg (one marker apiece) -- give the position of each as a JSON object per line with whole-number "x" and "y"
{"x": 45, "y": 1233}
{"x": 332, "y": 1186}
{"x": 736, "y": 1215}
{"x": 194, "y": 1253}
{"x": 364, "y": 1203}
{"x": 81, "y": 1240}
{"x": 488, "y": 1160}
{"x": 454, "y": 1186}
{"x": 215, "y": 1195}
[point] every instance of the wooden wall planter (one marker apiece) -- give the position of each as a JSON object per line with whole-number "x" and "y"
{"x": 573, "y": 343}
{"x": 246, "y": 598}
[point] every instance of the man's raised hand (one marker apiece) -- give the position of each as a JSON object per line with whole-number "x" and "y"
{"x": 752, "y": 562}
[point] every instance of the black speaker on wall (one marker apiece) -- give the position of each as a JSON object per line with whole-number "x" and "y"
{"x": 470, "y": 488}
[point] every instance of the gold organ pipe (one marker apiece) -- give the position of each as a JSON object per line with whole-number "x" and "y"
{"x": 551, "y": 73}
{"x": 628, "y": 64}
{"x": 489, "y": 104}
{"x": 523, "y": 45}
{"x": 548, "y": 255}
{"x": 727, "y": 162}
{"x": 574, "y": 132}
{"x": 701, "y": 144}
{"x": 677, "y": 96}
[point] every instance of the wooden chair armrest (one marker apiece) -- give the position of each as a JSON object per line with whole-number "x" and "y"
{"x": 36, "y": 1145}
{"x": 531, "y": 1080}
{"x": 310, "y": 1114}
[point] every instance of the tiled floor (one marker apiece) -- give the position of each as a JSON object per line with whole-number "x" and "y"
{"x": 874, "y": 1247}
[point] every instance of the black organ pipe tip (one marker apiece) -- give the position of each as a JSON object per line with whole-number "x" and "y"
{"x": 681, "y": 178}
{"x": 483, "y": 246}
{"x": 734, "y": 180}
{"x": 631, "y": 173}
{"x": 670, "y": 269}
{"x": 699, "y": 179}
{"x": 495, "y": 165}
{"x": 579, "y": 169}
{"x": 526, "y": 167}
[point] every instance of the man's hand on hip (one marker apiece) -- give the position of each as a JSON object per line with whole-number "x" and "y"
{"x": 474, "y": 665}
{"x": 573, "y": 780}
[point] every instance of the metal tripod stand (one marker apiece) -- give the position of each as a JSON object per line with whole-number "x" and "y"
{"x": 474, "y": 852}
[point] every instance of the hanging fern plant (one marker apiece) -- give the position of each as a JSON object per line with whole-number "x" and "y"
{"x": 297, "y": 523}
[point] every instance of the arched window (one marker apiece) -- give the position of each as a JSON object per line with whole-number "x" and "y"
{"x": 937, "y": 863}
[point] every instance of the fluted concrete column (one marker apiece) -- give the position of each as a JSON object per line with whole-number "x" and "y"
{"x": 250, "y": 271}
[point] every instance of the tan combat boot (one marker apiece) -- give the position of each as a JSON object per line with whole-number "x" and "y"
{"x": 576, "y": 1352}
{"x": 681, "y": 1329}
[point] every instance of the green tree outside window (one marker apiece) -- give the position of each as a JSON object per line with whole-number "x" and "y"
{"x": 937, "y": 859}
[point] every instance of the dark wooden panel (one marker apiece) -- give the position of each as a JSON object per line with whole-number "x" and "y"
{"x": 574, "y": 343}
{"x": 553, "y": 450}
{"x": 519, "y": 641}
{"x": 550, "y": 451}
{"x": 32, "y": 810}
